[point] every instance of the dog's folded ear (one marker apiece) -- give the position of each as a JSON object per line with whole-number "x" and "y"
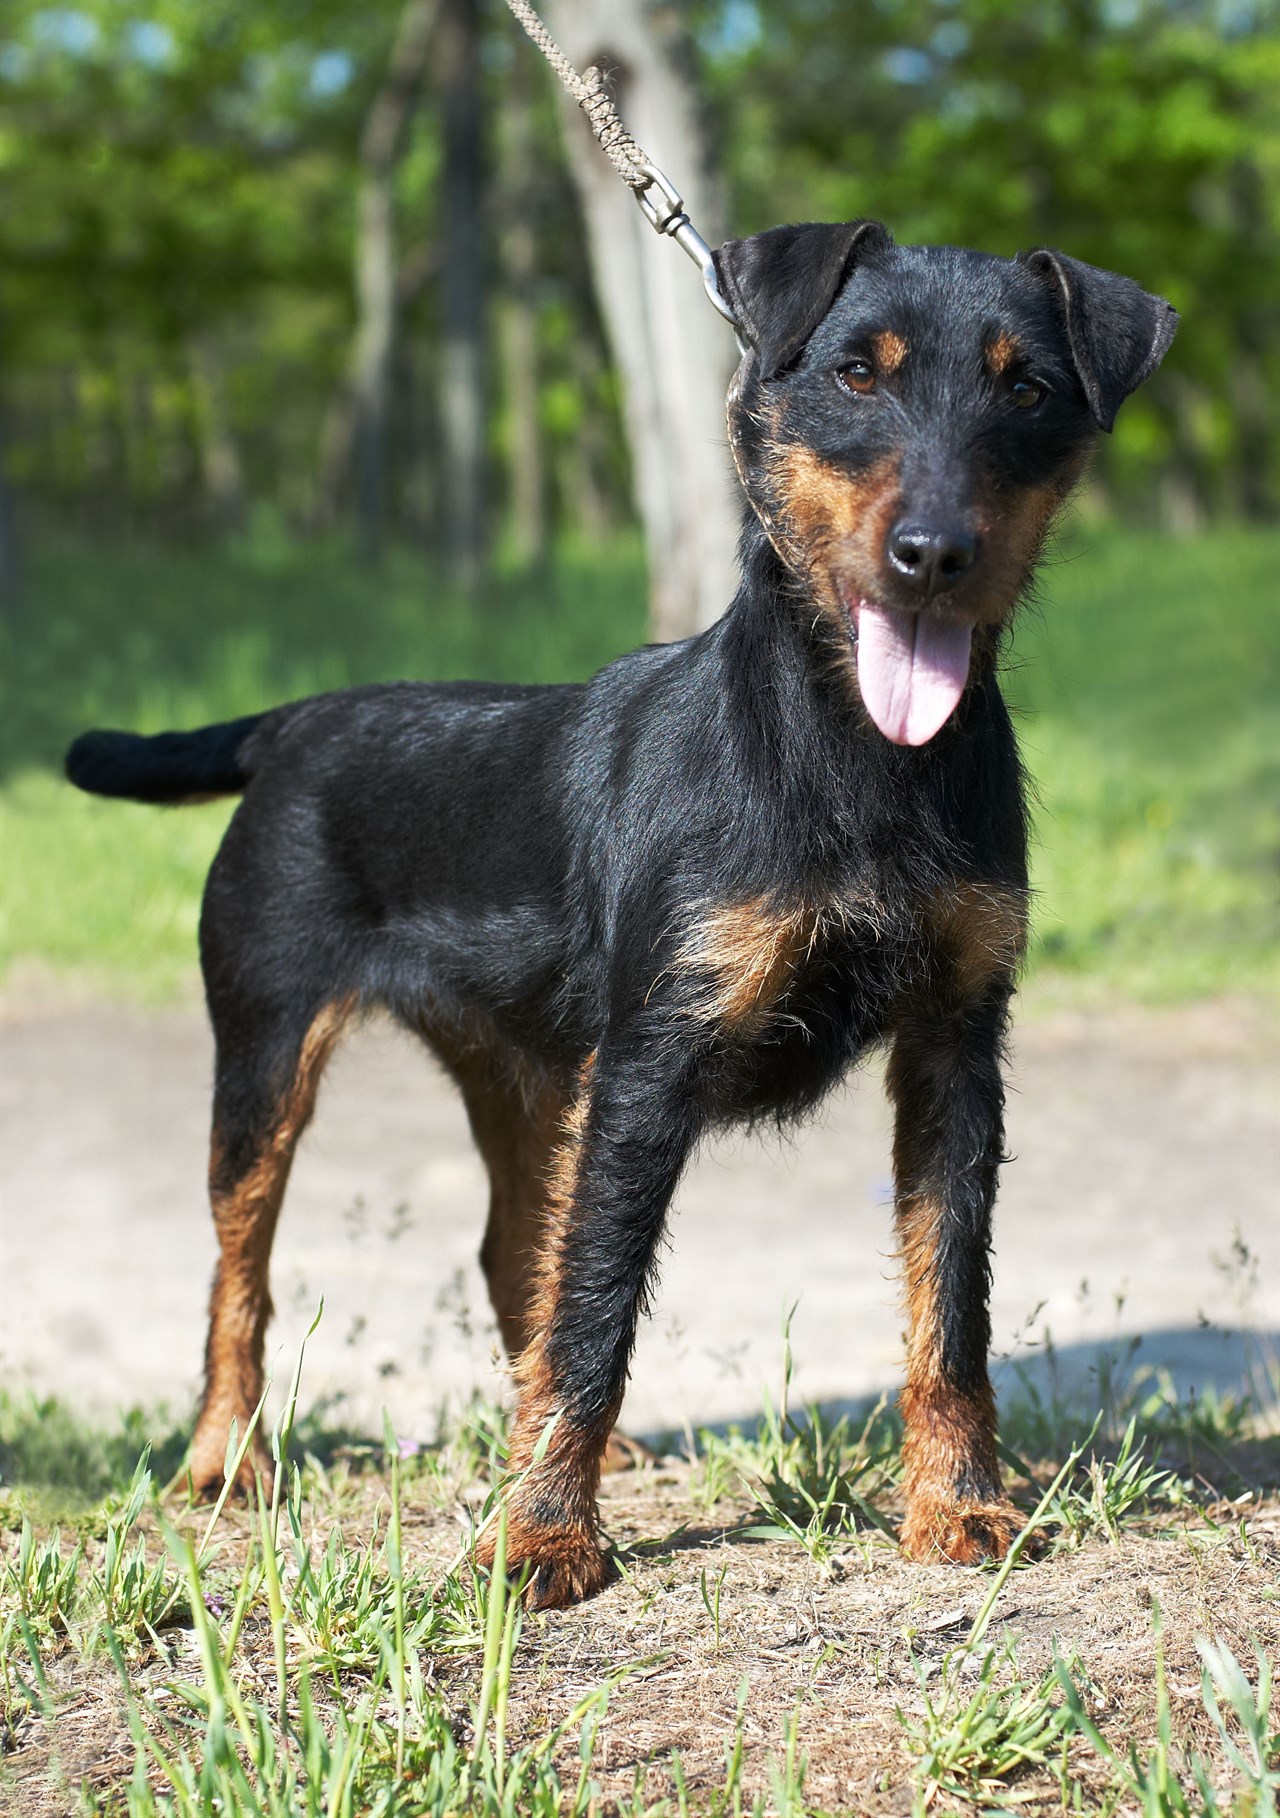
{"x": 780, "y": 284}
{"x": 1118, "y": 332}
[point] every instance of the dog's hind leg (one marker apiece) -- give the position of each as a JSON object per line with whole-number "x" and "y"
{"x": 518, "y": 1125}
{"x": 623, "y": 1143}
{"x": 264, "y": 1093}
{"x": 516, "y": 1130}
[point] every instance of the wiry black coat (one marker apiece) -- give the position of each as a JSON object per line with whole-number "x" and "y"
{"x": 698, "y": 887}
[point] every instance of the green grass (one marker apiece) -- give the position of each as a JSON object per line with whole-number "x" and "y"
{"x": 1145, "y": 682}
{"x": 304, "y": 1658}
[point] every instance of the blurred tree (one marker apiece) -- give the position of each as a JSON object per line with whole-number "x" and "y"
{"x": 181, "y": 187}
{"x": 1137, "y": 134}
{"x": 463, "y": 391}
{"x": 357, "y": 426}
{"x": 518, "y": 209}
{"x": 673, "y": 354}
{"x": 174, "y": 265}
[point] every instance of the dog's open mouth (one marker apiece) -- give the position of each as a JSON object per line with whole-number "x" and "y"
{"x": 912, "y": 668}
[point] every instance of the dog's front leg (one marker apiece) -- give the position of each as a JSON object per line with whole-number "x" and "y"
{"x": 945, "y": 1083}
{"x": 625, "y": 1141}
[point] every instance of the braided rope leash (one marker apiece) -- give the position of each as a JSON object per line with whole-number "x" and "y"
{"x": 659, "y": 200}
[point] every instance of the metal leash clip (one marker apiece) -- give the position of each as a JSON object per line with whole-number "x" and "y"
{"x": 664, "y": 211}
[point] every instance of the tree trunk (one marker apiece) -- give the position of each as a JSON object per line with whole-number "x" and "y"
{"x": 10, "y": 570}
{"x": 463, "y": 413}
{"x": 355, "y": 429}
{"x": 519, "y": 316}
{"x": 674, "y": 353}
{"x": 1183, "y": 489}
{"x": 220, "y": 467}
{"x": 585, "y": 464}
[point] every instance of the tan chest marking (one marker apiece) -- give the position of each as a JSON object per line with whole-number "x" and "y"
{"x": 745, "y": 957}
{"x": 981, "y": 930}
{"x": 749, "y": 953}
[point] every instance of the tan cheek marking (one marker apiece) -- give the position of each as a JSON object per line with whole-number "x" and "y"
{"x": 890, "y": 351}
{"x": 982, "y": 931}
{"x": 749, "y": 953}
{"x": 1002, "y": 353}
{"x": 1013, "y": 528}
{"x": 837, "y": 522}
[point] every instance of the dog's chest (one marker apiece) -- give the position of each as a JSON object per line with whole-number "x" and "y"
{"x": 753, "y": 970}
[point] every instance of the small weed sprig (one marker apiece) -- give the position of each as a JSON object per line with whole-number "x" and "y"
{"x": 133, "y": 1595}
{"x": 55, "y": 1594}
{"x": 42, "y": 1580}
{"x": 812, "y": 1480}
{"x": 972, "y": 1739}
{"x": 1114, "y": 1489}
{"x": 1161, "y": 1786}
{"x": 1222, "y": 1678}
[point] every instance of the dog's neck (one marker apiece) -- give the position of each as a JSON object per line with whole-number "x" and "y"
{"x": 737, "y": 420}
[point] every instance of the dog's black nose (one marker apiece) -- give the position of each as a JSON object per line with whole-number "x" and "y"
{"x": 930, "y": 557}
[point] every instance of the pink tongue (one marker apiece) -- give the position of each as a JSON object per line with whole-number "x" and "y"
{"x": 912, "y": 668}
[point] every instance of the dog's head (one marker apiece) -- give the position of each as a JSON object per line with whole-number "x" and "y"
{"x": 906, "y": 422}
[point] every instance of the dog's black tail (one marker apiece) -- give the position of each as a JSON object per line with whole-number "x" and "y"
{"x": 171, "y": 767}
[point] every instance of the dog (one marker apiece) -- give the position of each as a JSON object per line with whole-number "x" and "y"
{"x": 695, "y": 890}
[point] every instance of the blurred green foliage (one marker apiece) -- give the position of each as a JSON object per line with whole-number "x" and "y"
{"x": 177, "y": 197}
{"x": 177, "y": 216}
{"x": 1140, "y": 135}
{"x": 1144, "y": 680}
{"x": 1144, "y": 677}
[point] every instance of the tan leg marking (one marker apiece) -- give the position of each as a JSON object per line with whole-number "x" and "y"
{"x": 744, "y": 957}
{"x": 517, "y": 1116}
{"x": 245, "y": 1211}
{"x": 948, "y": 1435}
{"x": 977, "y": 933}
{"x": 551, "y": 1512}
{"x": 748, "y": 954}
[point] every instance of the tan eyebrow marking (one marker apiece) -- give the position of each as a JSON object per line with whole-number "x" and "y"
{"x": 1003, "y": 352}
{"x": 890, "y": 350}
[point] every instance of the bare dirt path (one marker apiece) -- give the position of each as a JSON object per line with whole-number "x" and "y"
{"x": 1142, "y": 1140}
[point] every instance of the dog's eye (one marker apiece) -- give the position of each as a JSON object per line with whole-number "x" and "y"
{"x": 858, "y": 376}
{"x": 1025, "y": 393}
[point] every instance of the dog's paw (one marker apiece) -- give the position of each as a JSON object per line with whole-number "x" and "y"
{"x": 567, "y": 1564}
{"x": 207, "y": 1472}
{"x": 963, "y": 1533}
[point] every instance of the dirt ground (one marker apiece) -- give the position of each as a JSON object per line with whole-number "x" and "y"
{"x": 1143, "y": 1199}
{"x": 1142, "y": 1140}
{"x": 846, "y": 1653}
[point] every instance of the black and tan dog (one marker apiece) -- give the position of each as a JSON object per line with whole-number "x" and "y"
{"x": 698, "y": 888}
